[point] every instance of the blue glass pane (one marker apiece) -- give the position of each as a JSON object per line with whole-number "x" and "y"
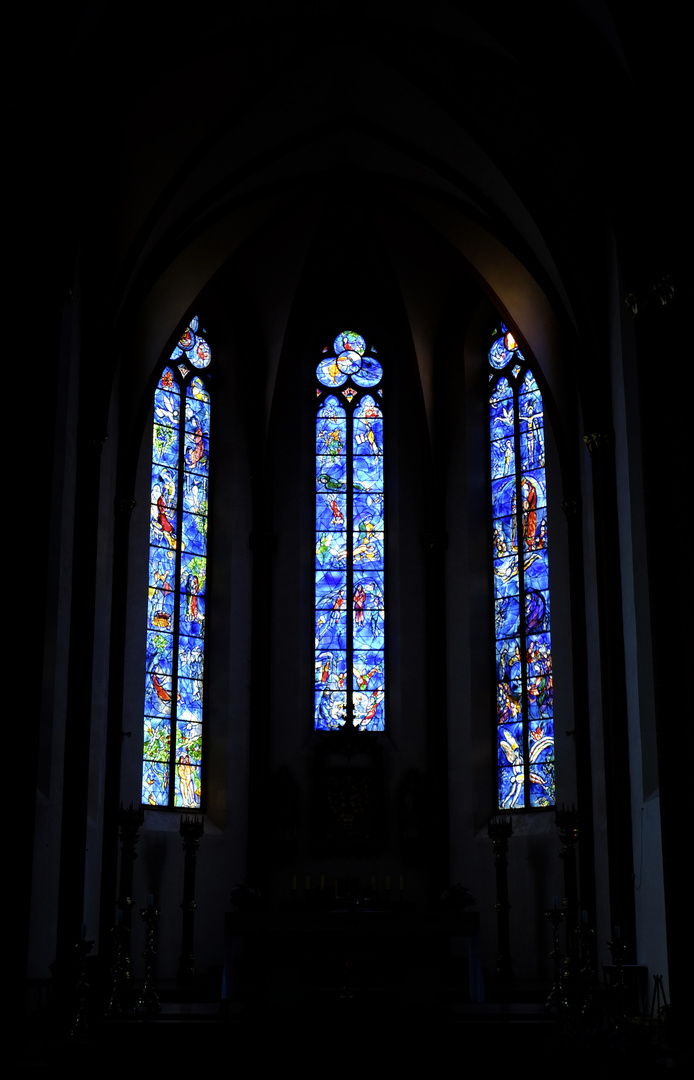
{"x": 163, "y": 521}
{"x": 331, "y": 709}
{"x": 189, "y": 741}
{"x": 368, "y": 548}
{"x": 511, "y": 776}
{"x": 368, "y": 670}
{"x": 158, "y": 693}
{"x": 197, "y": 407}
{"x": 532, "y": 445}
{"x": 536, "y": 611}
{"x": 349, "y": 341}
{"x": 330, "y": 667}
{"x": 331, "y": 629}
{"x": 367, "y": 510}
{"x": 189, "y": 704}
{"x": 504, "y": 497}
{"x": 187, "y": 790}
{"x": 504, "y": 537}
{"x": 195, "y": 493}
{"x": 331, "y": 474}
{"x": 509, "y": 701}
{"x": 503, "y": 458}
{"x": 194, "y": 533}
{"x": 330, "y": 511}
{"x": 155, "y": 783}
{"x": 331, "y": 586}
{"x": 540, "y": 685}
{"x": 157, "y": 738}
{"x": 368, "y": 429}
{"x": 369, "y": 374}
{"x": 506, "y": 617}
{"x": 536, "y": 570}
{"x": 368, "y": 473}
{"x": 368, "y": 711}
{"x": 506, "y": 577}
{"x": 159, "y": 652}
{"x": 191, "y": 657}
{"x": 368, "y": 610}
{"x": 499, "y": 355}
{"x": 328, "y": 373}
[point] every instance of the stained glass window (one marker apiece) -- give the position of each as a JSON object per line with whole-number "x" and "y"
{"x": 175, "y": 650}
{"x": 524, "y": 706}
{"x": 350, "y": 581}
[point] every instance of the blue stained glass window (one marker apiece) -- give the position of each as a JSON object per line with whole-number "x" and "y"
{"x": 524, "y": 710}
{"x": 175, "y": 649}
{"x": 350, "y": 568}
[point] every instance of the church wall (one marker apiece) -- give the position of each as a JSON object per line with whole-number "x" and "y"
{"x": 53, "y": 691}
{"x": 642, "y": 749}
{"x": 600, "y": 918}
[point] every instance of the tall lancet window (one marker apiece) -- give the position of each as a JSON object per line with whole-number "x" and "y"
{"x": 350, "y": 582}
{"x": 175, "y": 652}
{"x": 525, "y": 716}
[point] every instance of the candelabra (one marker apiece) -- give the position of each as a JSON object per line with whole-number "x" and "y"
{"x": 149, "y": 999}
{"x": 567, "y": 820}
{"x": 130, "y": 820}
{"x": 618, "y": 996}
{"x": 80, "y": 1024}
{"x": 120, "y": 970}
{"x": 556, "y": 997}
{"x": 586, "y": 936}
{"x": 191, "y": 830}
{"x": 499, "y": 831}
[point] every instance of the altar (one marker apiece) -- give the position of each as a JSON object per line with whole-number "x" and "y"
{"x": 395, "y": 954}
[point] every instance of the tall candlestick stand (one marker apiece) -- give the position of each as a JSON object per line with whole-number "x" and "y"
{"x": 120, "y": 971}
{"x": 80, "y": 1023}
{"x": 130, "y": 821}
{"x": 567, "y": 820}
{"x": 618, "y": 989}
{"x": 499, "y": 831}
{"x": 149, "y": 999}
{"x": 192, "y": 828}
{"x": 572, "y": 987}
{"x": 586, "y": 936}
{"x": 556, "y": 997}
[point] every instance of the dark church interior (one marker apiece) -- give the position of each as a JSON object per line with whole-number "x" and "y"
{"x": 426, "y": 175}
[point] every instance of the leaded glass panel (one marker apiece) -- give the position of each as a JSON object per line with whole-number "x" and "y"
{"x": 524, "y": 710}
{"x": 350, "y": 554}
{"x": 175, "y": 643}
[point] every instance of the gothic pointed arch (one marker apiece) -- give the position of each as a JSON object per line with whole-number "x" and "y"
{"x": 172, "y": 764}
{"x": 350, "y": 554}
{"x": 523, "y": 648}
